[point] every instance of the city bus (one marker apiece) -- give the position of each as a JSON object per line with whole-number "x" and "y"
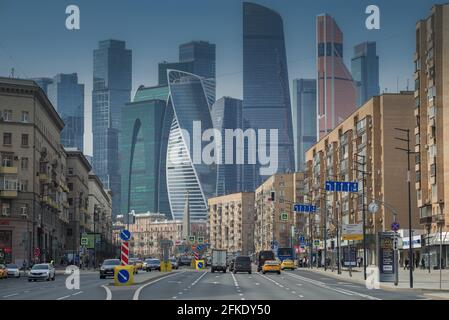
{"x": 286, "y": 253}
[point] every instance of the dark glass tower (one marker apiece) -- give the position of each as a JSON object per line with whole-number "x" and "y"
{"x": 266, "y": 94}
{"x": 143, "y": 152}
{"x": 304, "y": 118}
{"x": 196, "y": 57}
{"x": 67, "y": 96}
{"x": 227, "y": 114}
{"x": 111, "y": 91}
{"x": 365, "y": 71}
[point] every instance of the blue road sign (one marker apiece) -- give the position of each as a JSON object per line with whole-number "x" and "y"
{"x": 304, "y": 208}
{"x": 125, "y": 235}
{"x": 199, "y": 247}
{"x": 200, "y": 265}
{"x": 342, "y": 186}
{"x": 302, "y": 240}
{"x": 123, "y": 276}
{"x": 395, "y": 226}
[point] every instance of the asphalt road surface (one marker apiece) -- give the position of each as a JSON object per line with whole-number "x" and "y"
{"x": 188, "y": 284}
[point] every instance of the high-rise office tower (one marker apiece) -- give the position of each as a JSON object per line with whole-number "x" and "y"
{"x": 336, "y": 95}
{"x": 43, "y": 83}
{"x": 431, "y": 133}
{"x": 190, "y": 101}
{"x": 227, "y": 115}
{"x": 197, "y": 57}
{"x": 111, "y": 90}
{"x": 304, "y": 118}
{"x": 143, "y": 152}
{"x": 67, "y": 96}
{"x": 365, "y": 71}
{"x": 266, "y": 93}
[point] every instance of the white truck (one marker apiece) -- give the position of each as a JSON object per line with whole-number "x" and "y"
{"x": 219, "y": 260}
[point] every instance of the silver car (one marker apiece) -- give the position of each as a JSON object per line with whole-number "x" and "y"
{"x": 42, "y": 271}
{"x": 13, "y": 270}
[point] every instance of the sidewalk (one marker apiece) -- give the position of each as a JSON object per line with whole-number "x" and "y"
{"x": 422, "y": 280}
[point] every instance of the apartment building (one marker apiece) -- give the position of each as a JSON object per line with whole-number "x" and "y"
{"x": 33, "y": 191}
{"x": 363, "y": 148}
{"x": 432, "y": 127}
{"x": 231, "y": 222}
{"x": 274, "y": 219}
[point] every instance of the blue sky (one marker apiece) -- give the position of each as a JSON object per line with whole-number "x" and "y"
{"x": 34, "y": 40}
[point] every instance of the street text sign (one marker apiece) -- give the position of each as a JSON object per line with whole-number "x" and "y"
{"x": 342, "y": 186}
{"x": 352, "y": 231}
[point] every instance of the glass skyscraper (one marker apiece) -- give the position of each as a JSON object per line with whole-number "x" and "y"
{"x": 365, "y": 71}
{"x": 227, "y": 114}
{"x": 190, "y": 101}
{"x": 304, "y": 118}
{"x": 143, "y": 153}
{"x": 336, "y": 96}
{"x": 67, "y": 96}
{"x": 43, "y": 83}
{"x": 111, "y": 91}
{"x": 266, "y": 93}
{"x": 196, "y": 57}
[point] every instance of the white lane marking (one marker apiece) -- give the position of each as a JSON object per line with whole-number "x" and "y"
{"x": 11, "y": 295}
{"x": 179, "y": 293}
{"x": 174, "y": 297}
{"x": 77, "y": 293}
{"x": 301, "y": 296}
{"x": 108, "y": 292}
{"x": 61, "y": 298}
{"x": 236, "y": 285}
{"x": 137, "y": 293}
{"x": 323, "y": 285}
{"x": 294, "y": 292}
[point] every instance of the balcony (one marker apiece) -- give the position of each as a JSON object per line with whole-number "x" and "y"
{"x": 8, "y": 194}
{"x": 44, "y": 178}
{"x": 8, "y": 170}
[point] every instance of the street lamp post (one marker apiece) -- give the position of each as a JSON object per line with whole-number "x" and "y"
{"x": 363, "y": 171}
{"x": 440, "y": 225}
{"x": 409, "y": 152}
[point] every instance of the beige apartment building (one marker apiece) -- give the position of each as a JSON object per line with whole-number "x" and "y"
{"x": 363, "y": 146}
{"x": 100, "y": 207}
{"x": 148, "y": 230}
{"x": 274, "y": 219}
{"x": 432, "y": 126}
{"x": 231, "y": 222}
{"x": 78, "y": 169}
{"x": 33, "y": 191}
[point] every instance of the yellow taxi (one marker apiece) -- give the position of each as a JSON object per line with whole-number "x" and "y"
{"x": 3, "y": 272}
{"x": 272, "y": 266}
{"x": 288, "y": 264}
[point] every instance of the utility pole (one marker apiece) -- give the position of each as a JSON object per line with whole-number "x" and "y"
{"x": 410, "y": 252}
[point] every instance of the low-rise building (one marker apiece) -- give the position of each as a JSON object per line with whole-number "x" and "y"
{"x": 231, "y": 222}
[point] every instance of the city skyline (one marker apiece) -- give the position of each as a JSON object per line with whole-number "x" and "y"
{"x": 299, "y": 22}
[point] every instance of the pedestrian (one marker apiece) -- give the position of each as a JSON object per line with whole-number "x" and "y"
{"x": 417, "y": 262}
{"x": 406, "y": 263}
{"x": 423, "y": 263}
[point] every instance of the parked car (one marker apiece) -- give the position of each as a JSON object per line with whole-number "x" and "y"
{"x": 13, "y": 270}
{"x": 42, "y": 271}
{"x": 3, "y": 272}
{"x": 107, "y": 267}
{"x": 152, "y": 264}
{"x": 272, "y": 266}
{"x": 242, "y": 264}
{"x": 174, "y": 263}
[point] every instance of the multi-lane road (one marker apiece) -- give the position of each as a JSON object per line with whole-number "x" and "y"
{"x": 188, "y": 284}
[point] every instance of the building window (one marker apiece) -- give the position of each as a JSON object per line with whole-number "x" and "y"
{"x": 24, "y": 185}
{"x": 418, "y": 176}
{"x": 7, "y": 160}
{"x": 69, "y": 232}
{"x": 8, "y": 184}
{"x": 24, "y": 163}
{"x": 24, "y": 140}
{"x": 7, "y": 138}
{"x": 70, "y": 171}
{"x": 433, "y": 170}
{"x": 7, "y": 115}
{"x": 70, "y": 186}
{"x": 24, "y": 116}
{"x": 6, "y": 209}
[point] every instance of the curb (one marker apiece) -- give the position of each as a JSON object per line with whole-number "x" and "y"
{"x": 382, "y": 286}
